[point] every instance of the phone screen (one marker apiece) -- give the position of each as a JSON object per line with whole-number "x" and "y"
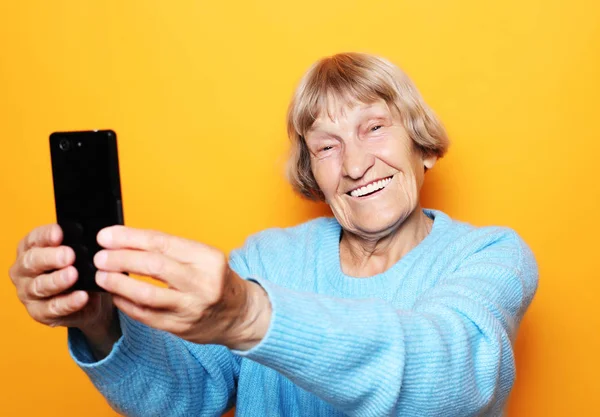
{"x": 87, "y": 194}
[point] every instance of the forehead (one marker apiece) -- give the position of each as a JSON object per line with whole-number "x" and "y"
{"x": 335, "y": 111}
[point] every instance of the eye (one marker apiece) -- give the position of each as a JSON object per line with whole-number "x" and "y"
{"x": 326, "y": 148}
{"x": 376, "y": 127}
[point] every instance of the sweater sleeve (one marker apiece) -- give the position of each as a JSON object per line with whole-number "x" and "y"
{"x": 154, "y": 373}
{"x": 450, "y": 355}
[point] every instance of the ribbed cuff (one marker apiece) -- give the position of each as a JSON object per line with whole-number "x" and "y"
{"x": 123, "y": 360}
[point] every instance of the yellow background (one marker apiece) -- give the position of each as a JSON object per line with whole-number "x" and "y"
{"x": 197, "y": 93}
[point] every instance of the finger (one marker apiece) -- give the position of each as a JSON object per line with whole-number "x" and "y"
{"x": 139, "y": 292}
{"x": 56, "y": 308}
{"x": 47, "y": 235}
{"x": 92, "y": 312}
{"x": 40, "y": 259}
{"x": 146, "y": 315}
{"x": 123, "y": 237}
{"x": 151, "y": 264}
{"x": 47, "y": 285}
{"x": 37, "y": 260}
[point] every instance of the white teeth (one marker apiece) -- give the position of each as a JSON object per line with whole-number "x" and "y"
{"x": 370, "y": 187}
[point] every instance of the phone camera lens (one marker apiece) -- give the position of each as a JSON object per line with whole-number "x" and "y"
{"x": 64, "y": 145}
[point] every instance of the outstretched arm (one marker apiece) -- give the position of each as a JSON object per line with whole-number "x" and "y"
{"x": 450, "y": 355}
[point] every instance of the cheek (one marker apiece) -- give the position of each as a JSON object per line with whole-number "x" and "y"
{"x": 394, "y": 153}
{"x": 327, "y": 174}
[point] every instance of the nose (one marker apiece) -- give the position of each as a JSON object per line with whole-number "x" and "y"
{"x": 357, "y": 161}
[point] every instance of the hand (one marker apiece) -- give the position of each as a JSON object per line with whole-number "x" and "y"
{"x": 40, "y": 291}
{"x": 205, "y": 302}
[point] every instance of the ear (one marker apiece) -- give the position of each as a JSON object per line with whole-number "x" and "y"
{"x": 429, "y": 161}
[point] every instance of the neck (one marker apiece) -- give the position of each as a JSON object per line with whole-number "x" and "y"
{"x": 362, "y": 257}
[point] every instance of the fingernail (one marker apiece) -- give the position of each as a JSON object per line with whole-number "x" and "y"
{"x": 61, "y": 257}
{"x": 79, "y": 297}
{"x": 53, "y": 234}
{"x": 66, "y": 275}
{"x": 100, "y": 258}
{"x": 101, "y": 278}
{"x": 104, "y": 236}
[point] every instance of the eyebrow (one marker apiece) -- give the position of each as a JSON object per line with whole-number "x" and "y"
{"x": 317, "y": 126}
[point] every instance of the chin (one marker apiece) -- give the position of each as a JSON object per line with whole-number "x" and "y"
{"x": 378, "y": 225}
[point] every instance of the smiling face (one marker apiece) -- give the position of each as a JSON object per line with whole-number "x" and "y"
{"x": 367, "y": 167}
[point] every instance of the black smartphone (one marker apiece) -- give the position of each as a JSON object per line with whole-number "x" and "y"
{"x": 87, "y": 194}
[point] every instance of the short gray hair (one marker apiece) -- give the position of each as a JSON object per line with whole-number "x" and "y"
{"x": 356, "y": 77}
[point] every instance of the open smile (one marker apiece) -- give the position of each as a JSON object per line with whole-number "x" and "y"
{"x": 371, "y": 188}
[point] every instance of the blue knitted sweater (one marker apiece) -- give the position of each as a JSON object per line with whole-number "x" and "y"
{"x": 431, "y": 336}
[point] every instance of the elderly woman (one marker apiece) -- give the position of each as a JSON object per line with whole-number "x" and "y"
{"x": 387, "y": 309}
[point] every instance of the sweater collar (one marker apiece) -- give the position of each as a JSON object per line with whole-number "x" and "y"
{"x": 329, "y": 259}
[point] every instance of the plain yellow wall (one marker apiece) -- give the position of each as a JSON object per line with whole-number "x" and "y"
{"x": 197, "y": 92}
